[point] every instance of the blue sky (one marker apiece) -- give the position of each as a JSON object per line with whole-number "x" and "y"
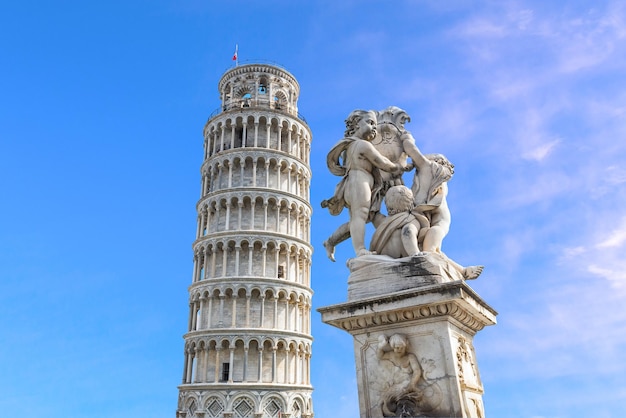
{"x": 101, "y": 115}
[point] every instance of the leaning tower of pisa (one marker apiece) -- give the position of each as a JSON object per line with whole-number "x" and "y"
{"x": 248, "y": 345}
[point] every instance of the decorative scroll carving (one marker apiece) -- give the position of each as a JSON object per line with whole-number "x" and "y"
{"x": 466, "y": 365}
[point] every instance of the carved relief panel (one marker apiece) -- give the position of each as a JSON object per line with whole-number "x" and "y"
{"x": 401, "y": 381}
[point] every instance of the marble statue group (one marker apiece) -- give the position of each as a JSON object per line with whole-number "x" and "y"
{"x": 371, "y": 159}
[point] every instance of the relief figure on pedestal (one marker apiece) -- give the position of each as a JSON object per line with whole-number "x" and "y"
{"x": 402, "y": 387}
{"x": 360, "y": 169}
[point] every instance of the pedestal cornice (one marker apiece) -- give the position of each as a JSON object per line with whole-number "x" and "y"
{"x": 454, "y": 299}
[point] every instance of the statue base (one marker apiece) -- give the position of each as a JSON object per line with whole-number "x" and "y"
{"x": 413, "y": 338}
{"x": 372, "y": 275}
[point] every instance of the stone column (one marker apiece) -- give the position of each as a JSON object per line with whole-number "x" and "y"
{"x": 205, "y": 364}
{"x": 230, "y": 174}
{"x": 213, "y": 261}
{"x": 220, "y": 323}
{"x": 216, "y": 223}
{"x": 264, "y": 254}
{"x": 240, "y": 204}
{"x": 224, "y": 259}
{"x": 227, "y": 222}
{"x": 248, "y": 311}
{"x": 252, "y": 205}
{"x": 250, "y": 258}
{"x": 218, "y": 350}
{"x": 245, "y": 364}
{"x": 298, "y": 366}
{"x": 222, "y": 138}
{"x": 205, "y": 267}
{"x": 190, "y": 358}
{"x": 289, "y": 141}
{"x": 237, "y": 251}
{"x": 185, "y": 363}
{"x": 260, "y": 364}
{"x": 203, "y": 313}
{"x": 199, "y": 356}
{"x": 274, "y": 377}
{"x": 287, "y": 367}
{"x": 199, "y": 229}
{"x": 256, "y": 134}
{"x": 209, "y": 312}
{"x": 191, "y": 313}
{"x": 231, "y": 362}
{"x": 298, "y": 266}
{"x": 262, "y": 319}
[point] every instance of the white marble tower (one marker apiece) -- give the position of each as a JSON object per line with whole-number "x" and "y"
{"x": 248, "y": 345}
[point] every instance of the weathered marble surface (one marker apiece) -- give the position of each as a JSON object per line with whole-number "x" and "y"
{"x": 375, "y": 275}
{"x": 438, "y": 323}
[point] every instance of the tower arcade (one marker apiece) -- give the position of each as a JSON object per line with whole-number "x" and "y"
{"x": 248, "y": 345}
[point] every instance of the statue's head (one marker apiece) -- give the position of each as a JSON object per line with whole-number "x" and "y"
{"x": 399, "y": 199}
{"x": 399, "y": 343}
{"x": 441, "y": 159}
{"x": 362, "y": 124}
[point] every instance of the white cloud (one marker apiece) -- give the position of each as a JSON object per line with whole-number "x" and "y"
{"x": 522, "y": 18}
{"x": 540, "y": 152}
{"x": 575, "y": 40}
{"x": 483, "y": 28}
{"x": 533, "y": 186}
{"x": 616, "y": 238}
{"x": 604, "y": 256}
{"x": 570, "y": 327}
{"x": 616, "y": 275}
{"x": 616, "y": 175}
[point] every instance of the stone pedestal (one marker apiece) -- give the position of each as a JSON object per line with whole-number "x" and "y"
{"x": 413, "y": 344}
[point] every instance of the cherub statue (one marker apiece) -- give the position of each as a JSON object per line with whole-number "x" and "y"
{"x": 393, "y": 144}
{"x": 361, "y": 162}
{"x": 409, "y": 228}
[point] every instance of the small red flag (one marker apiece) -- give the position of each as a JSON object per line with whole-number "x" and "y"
{"x": 235, "y": 54}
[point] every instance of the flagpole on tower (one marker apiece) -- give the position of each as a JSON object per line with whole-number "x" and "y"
{"x": 235, "y": 55}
